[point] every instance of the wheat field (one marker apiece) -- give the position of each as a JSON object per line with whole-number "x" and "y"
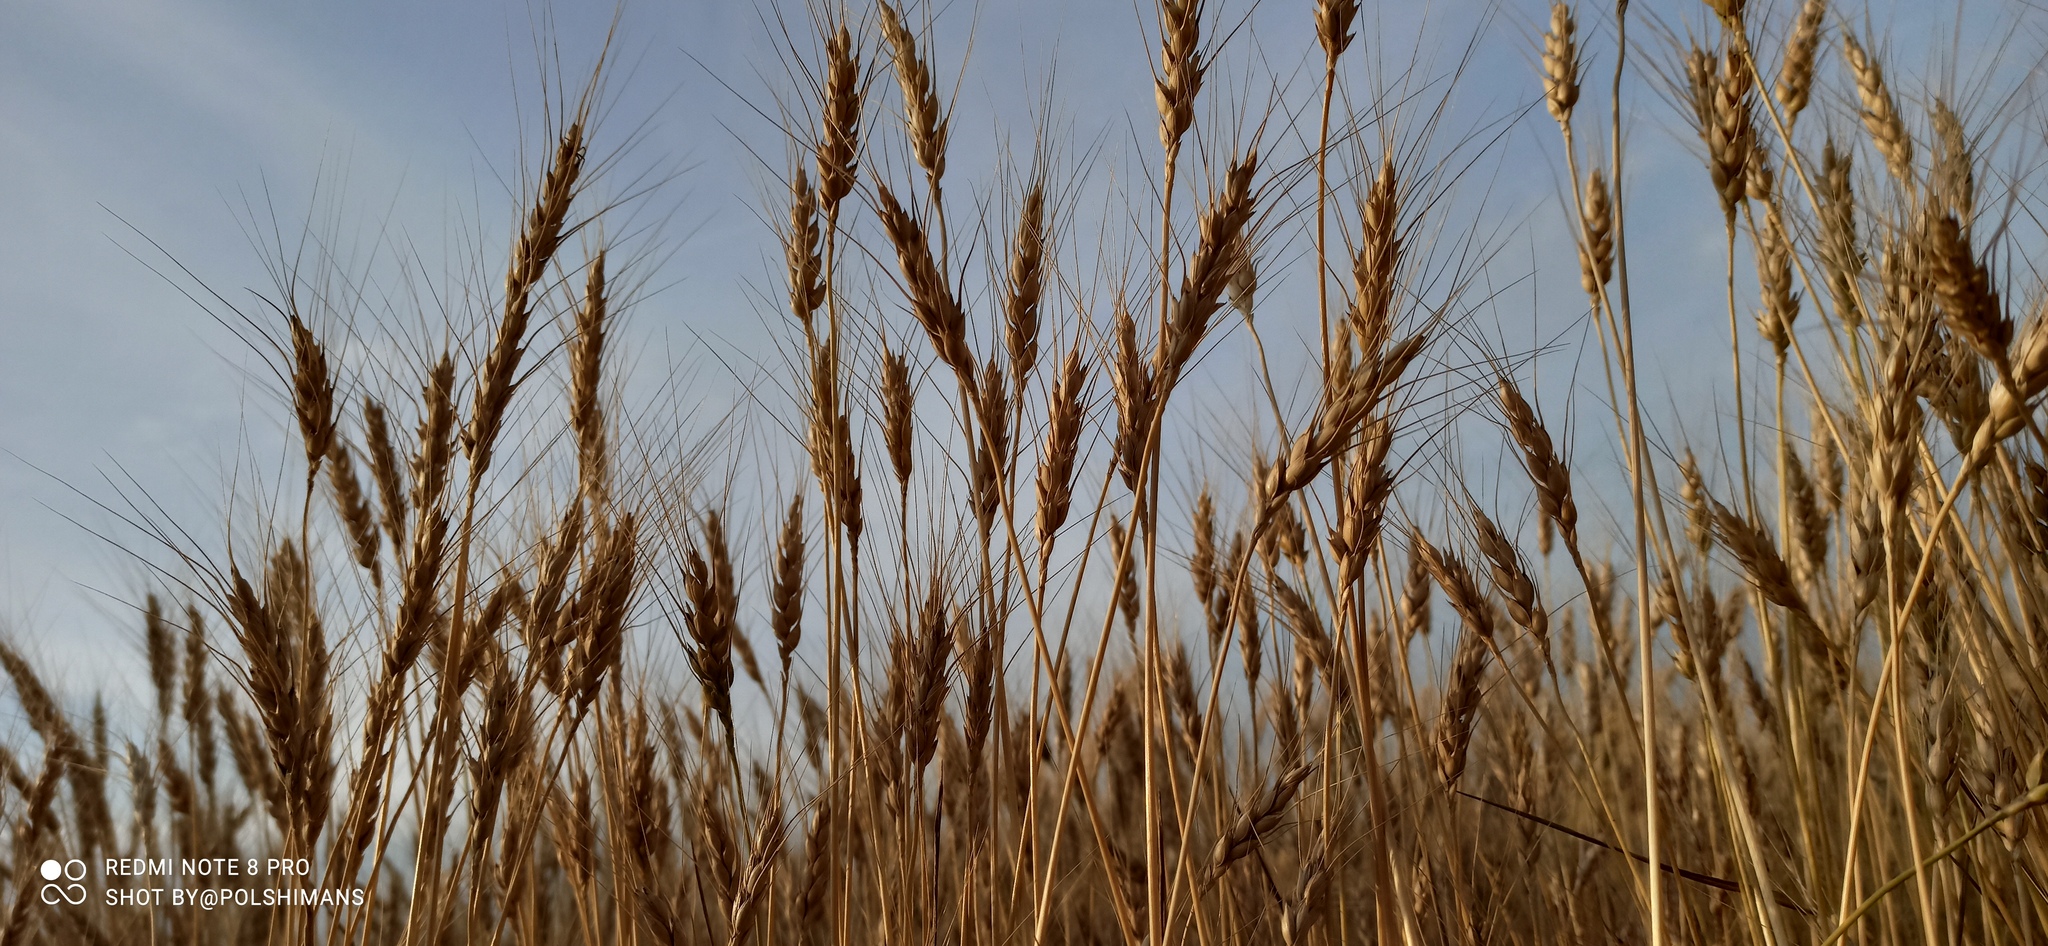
{"x": 936, "y": 649}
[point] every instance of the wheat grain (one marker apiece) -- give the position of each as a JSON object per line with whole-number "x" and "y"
{"x": 1880, "y": 112}
{"x": 384, "y": 469}
{"x": 1180, "y": 70}
{"x": 839, "y": 144}
{"x": 1952, "y": 180}
{"x": 1774, "y": 276}
{"x": 586, "y": 414}
{"x": 1540, "y": 460}
{"x": 786, "y": 601}
{"x": 923, "y": 118}
{"x": 162, "y": 655}
{"x": 1452, "y": 739}
{"x": 354, "y": 508}
{"x": 1511, "y": 578}
{"x": 539, "y": 239}
{"x": 1969, "y": 301}
{"x": 932, "y": 301}
{"x": 1561, "y": 64}
{"x": 1224, "y": 222}
{"x": 1027, "y": 284}
{"x": 436, "y": 430}
{"x": 1334, "y": 19}
{"x": 312, "y": 396}
{"x": 800, "y": 250}
{"x": 1795, "y": 77}
{"x": 1257, "y": 819}
{"x": 1596, "y": 255}
{"x": 1064, "y": 423}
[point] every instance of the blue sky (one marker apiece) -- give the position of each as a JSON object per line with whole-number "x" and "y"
{"x": 130, "y": 121}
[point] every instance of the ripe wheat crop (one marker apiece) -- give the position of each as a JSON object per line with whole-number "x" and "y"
{"x": 982, "y": 675}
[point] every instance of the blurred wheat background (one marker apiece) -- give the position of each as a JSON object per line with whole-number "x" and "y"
{"x": 1256, "y": 517}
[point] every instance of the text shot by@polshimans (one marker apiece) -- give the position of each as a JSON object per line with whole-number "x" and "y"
{"x": 206, "y": 883}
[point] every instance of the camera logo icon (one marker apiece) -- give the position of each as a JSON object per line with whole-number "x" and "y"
{"x": 72, "y": 893}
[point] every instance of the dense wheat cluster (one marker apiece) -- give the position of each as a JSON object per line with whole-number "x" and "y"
{"x": 981, "y": 675}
